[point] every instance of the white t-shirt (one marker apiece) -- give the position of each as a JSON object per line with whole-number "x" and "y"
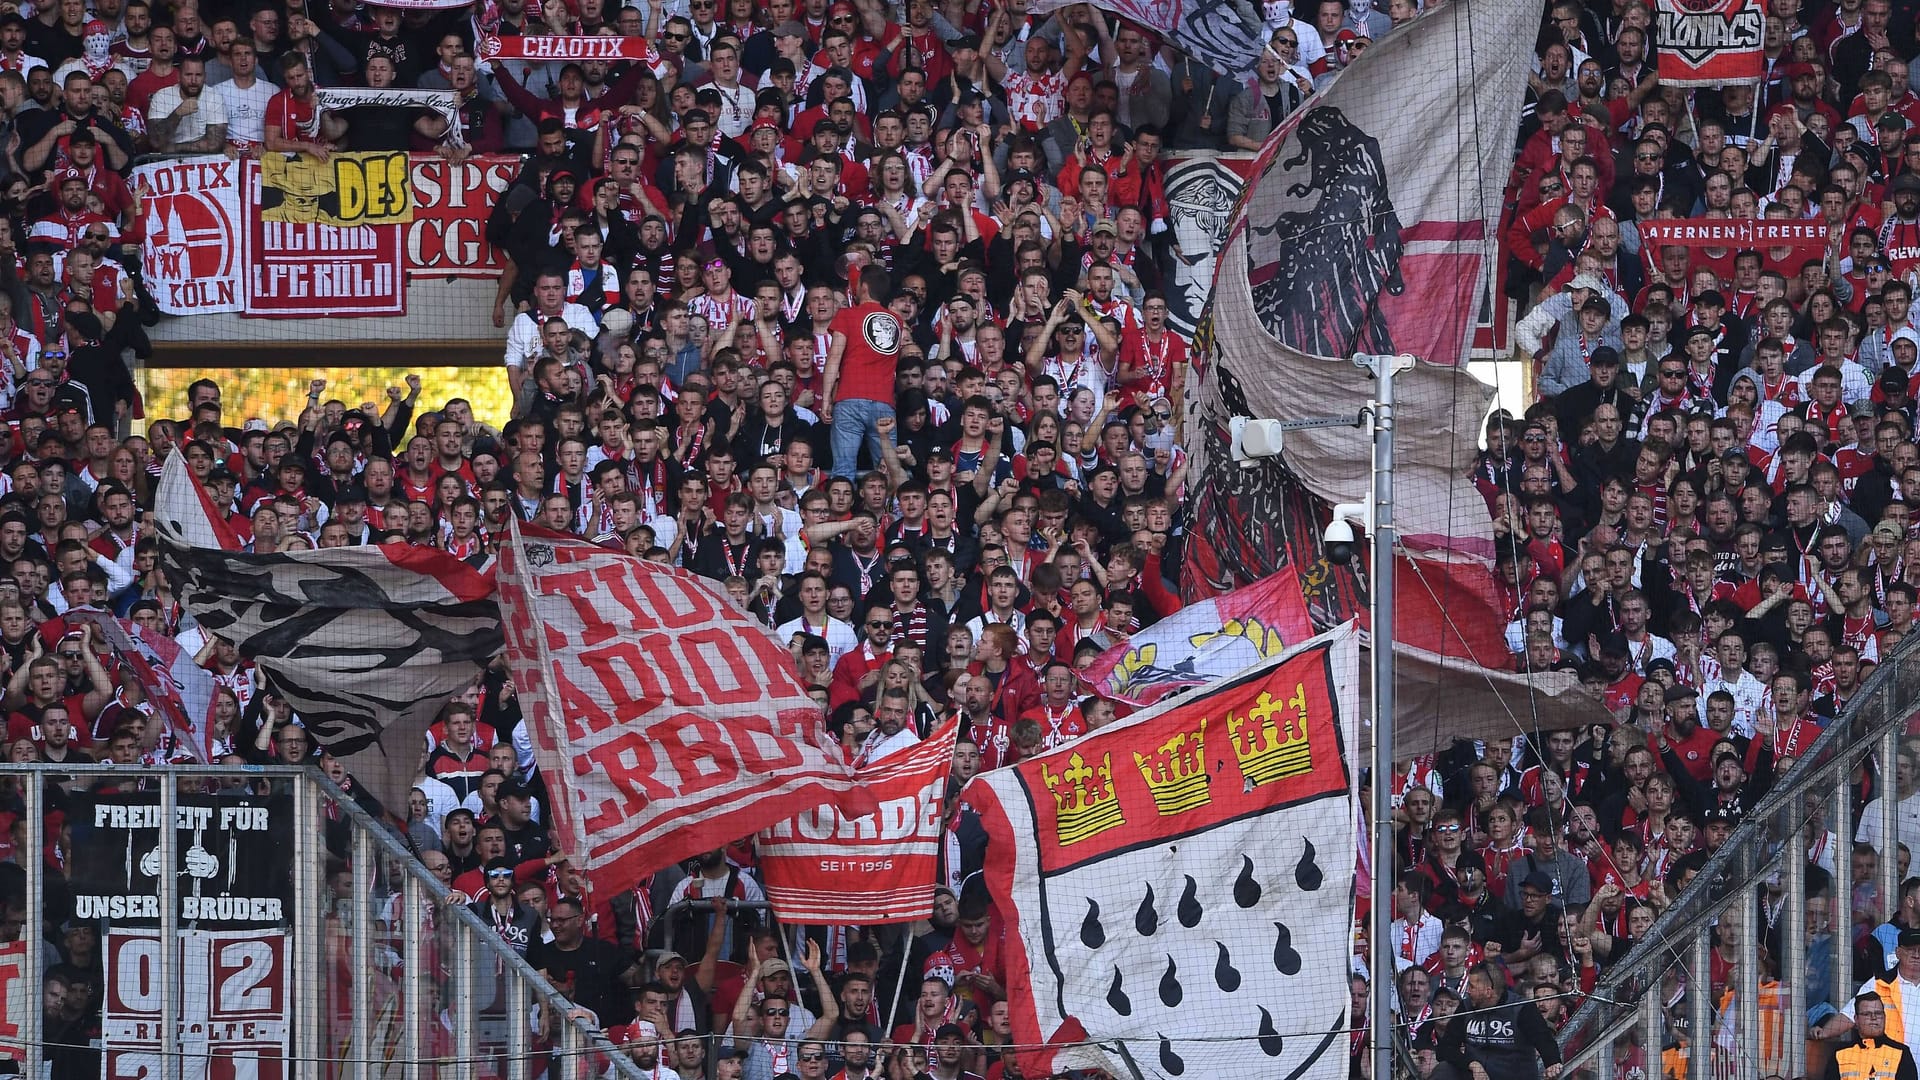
{"x": 246, "y": 108}
{"x": 193, "y": 126}
{"x": 841, "y": 639}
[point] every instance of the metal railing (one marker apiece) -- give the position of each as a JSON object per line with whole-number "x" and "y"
{"x": 1650, "y": 1003}
{"x": 384, "y": 976}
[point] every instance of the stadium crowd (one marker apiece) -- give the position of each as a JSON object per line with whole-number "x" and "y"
{"x": 855, "y": 311}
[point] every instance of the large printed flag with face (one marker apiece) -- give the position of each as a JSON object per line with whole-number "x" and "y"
{"x": 1179, "y": 883}
{"x": 1359, "y": 232}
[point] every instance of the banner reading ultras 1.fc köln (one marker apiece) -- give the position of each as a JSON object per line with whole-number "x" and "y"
{"x": 1711, "y": 42}
{"x": 230, "y": 860}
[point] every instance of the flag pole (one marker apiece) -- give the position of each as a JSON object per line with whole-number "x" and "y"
{"x": 1380, "y": 913}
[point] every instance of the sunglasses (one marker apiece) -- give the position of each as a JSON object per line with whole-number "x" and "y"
{"x": 877, "y": 624}
{"x": 1446, "y": 828}
{"x": 775, "y": 1012}
{"x": 1671, "y": 374}
{"x": 813, "y": 1057}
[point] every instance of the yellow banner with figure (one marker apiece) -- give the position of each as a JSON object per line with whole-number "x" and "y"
{"x": 346, "y": 189}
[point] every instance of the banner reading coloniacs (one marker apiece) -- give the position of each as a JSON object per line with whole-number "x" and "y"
{"x": 1711, "y": 42}
{"x": 828, "y": 866}
{"x": 670, "y": 721}
{"x": 193, "y": 251}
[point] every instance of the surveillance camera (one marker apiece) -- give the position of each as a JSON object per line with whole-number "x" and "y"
{"x": 1338, "y": 537}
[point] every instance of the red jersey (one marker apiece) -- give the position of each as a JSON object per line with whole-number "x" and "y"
{"x": 295, "y": 118}
{"x": 873, "y": 335}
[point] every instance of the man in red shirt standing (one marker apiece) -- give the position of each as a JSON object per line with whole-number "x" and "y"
{"x": 293, "y": 116}
{"x": 858, "y": 383}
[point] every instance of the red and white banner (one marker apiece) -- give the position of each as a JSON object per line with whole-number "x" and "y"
{"x": 230, "y": 990}
{"x": 447, "y": 237}
{"x": 1226, "y": 35}
{"x": 1711, "y": 42}
{"x": 1740, "y": 233}
{"x": 302, "y": 270}
{"x": 199, "y": 257}
{"x": 181, "y": 692}
{"x": 1175, "y": 886}
{"x": 13, "y": 999}
{"x": 568, "y": 48}
{"x": 1201, "y": 642}
{"x": 193, "y": 253}
{"x": 670, "y": 721}
{"x": 826, "y": 865}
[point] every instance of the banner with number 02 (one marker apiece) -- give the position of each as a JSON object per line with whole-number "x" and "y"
{"x": 230, "y": 989}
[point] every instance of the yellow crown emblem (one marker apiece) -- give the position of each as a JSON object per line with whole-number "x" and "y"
{"x": 1176, "y": 773}
{"x": 1083, "y": 799}
{"x": 1271, "y": 740}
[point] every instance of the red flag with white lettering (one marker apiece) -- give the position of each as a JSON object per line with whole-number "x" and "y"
{"x": 829, "y": 865}
{"x": 666, "y": 720}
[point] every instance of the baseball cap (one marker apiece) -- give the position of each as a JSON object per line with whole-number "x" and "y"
{"x": 1106, "y": 227}
{"x": 790, "y": 28}
{"x": 1908, "y": 937}
{"x": 1604, "y": 356}
{"x": 1679, "y": 692}
{"x": 774, "y": 967}
{"x": 1538, "y": 881}
{"x": 1906, "y": 182}
{"x": 1586, "y": 281}
{"x": 1886, "y": 530}
{"x": 949, "y": 1031}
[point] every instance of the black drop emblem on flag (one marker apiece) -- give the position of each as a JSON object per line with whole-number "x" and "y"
{"x": 1317, "y": 283}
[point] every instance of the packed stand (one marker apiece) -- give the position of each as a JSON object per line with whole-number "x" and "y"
{"x": 1702, "y": 516}
{"x": 850, "y": 308}
{"x": 854, "y": 310}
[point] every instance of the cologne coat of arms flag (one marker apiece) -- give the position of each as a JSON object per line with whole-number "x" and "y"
{"x": 1181, "y": 883}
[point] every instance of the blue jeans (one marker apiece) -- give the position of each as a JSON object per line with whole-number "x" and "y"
{"x": 853, "y": 423}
